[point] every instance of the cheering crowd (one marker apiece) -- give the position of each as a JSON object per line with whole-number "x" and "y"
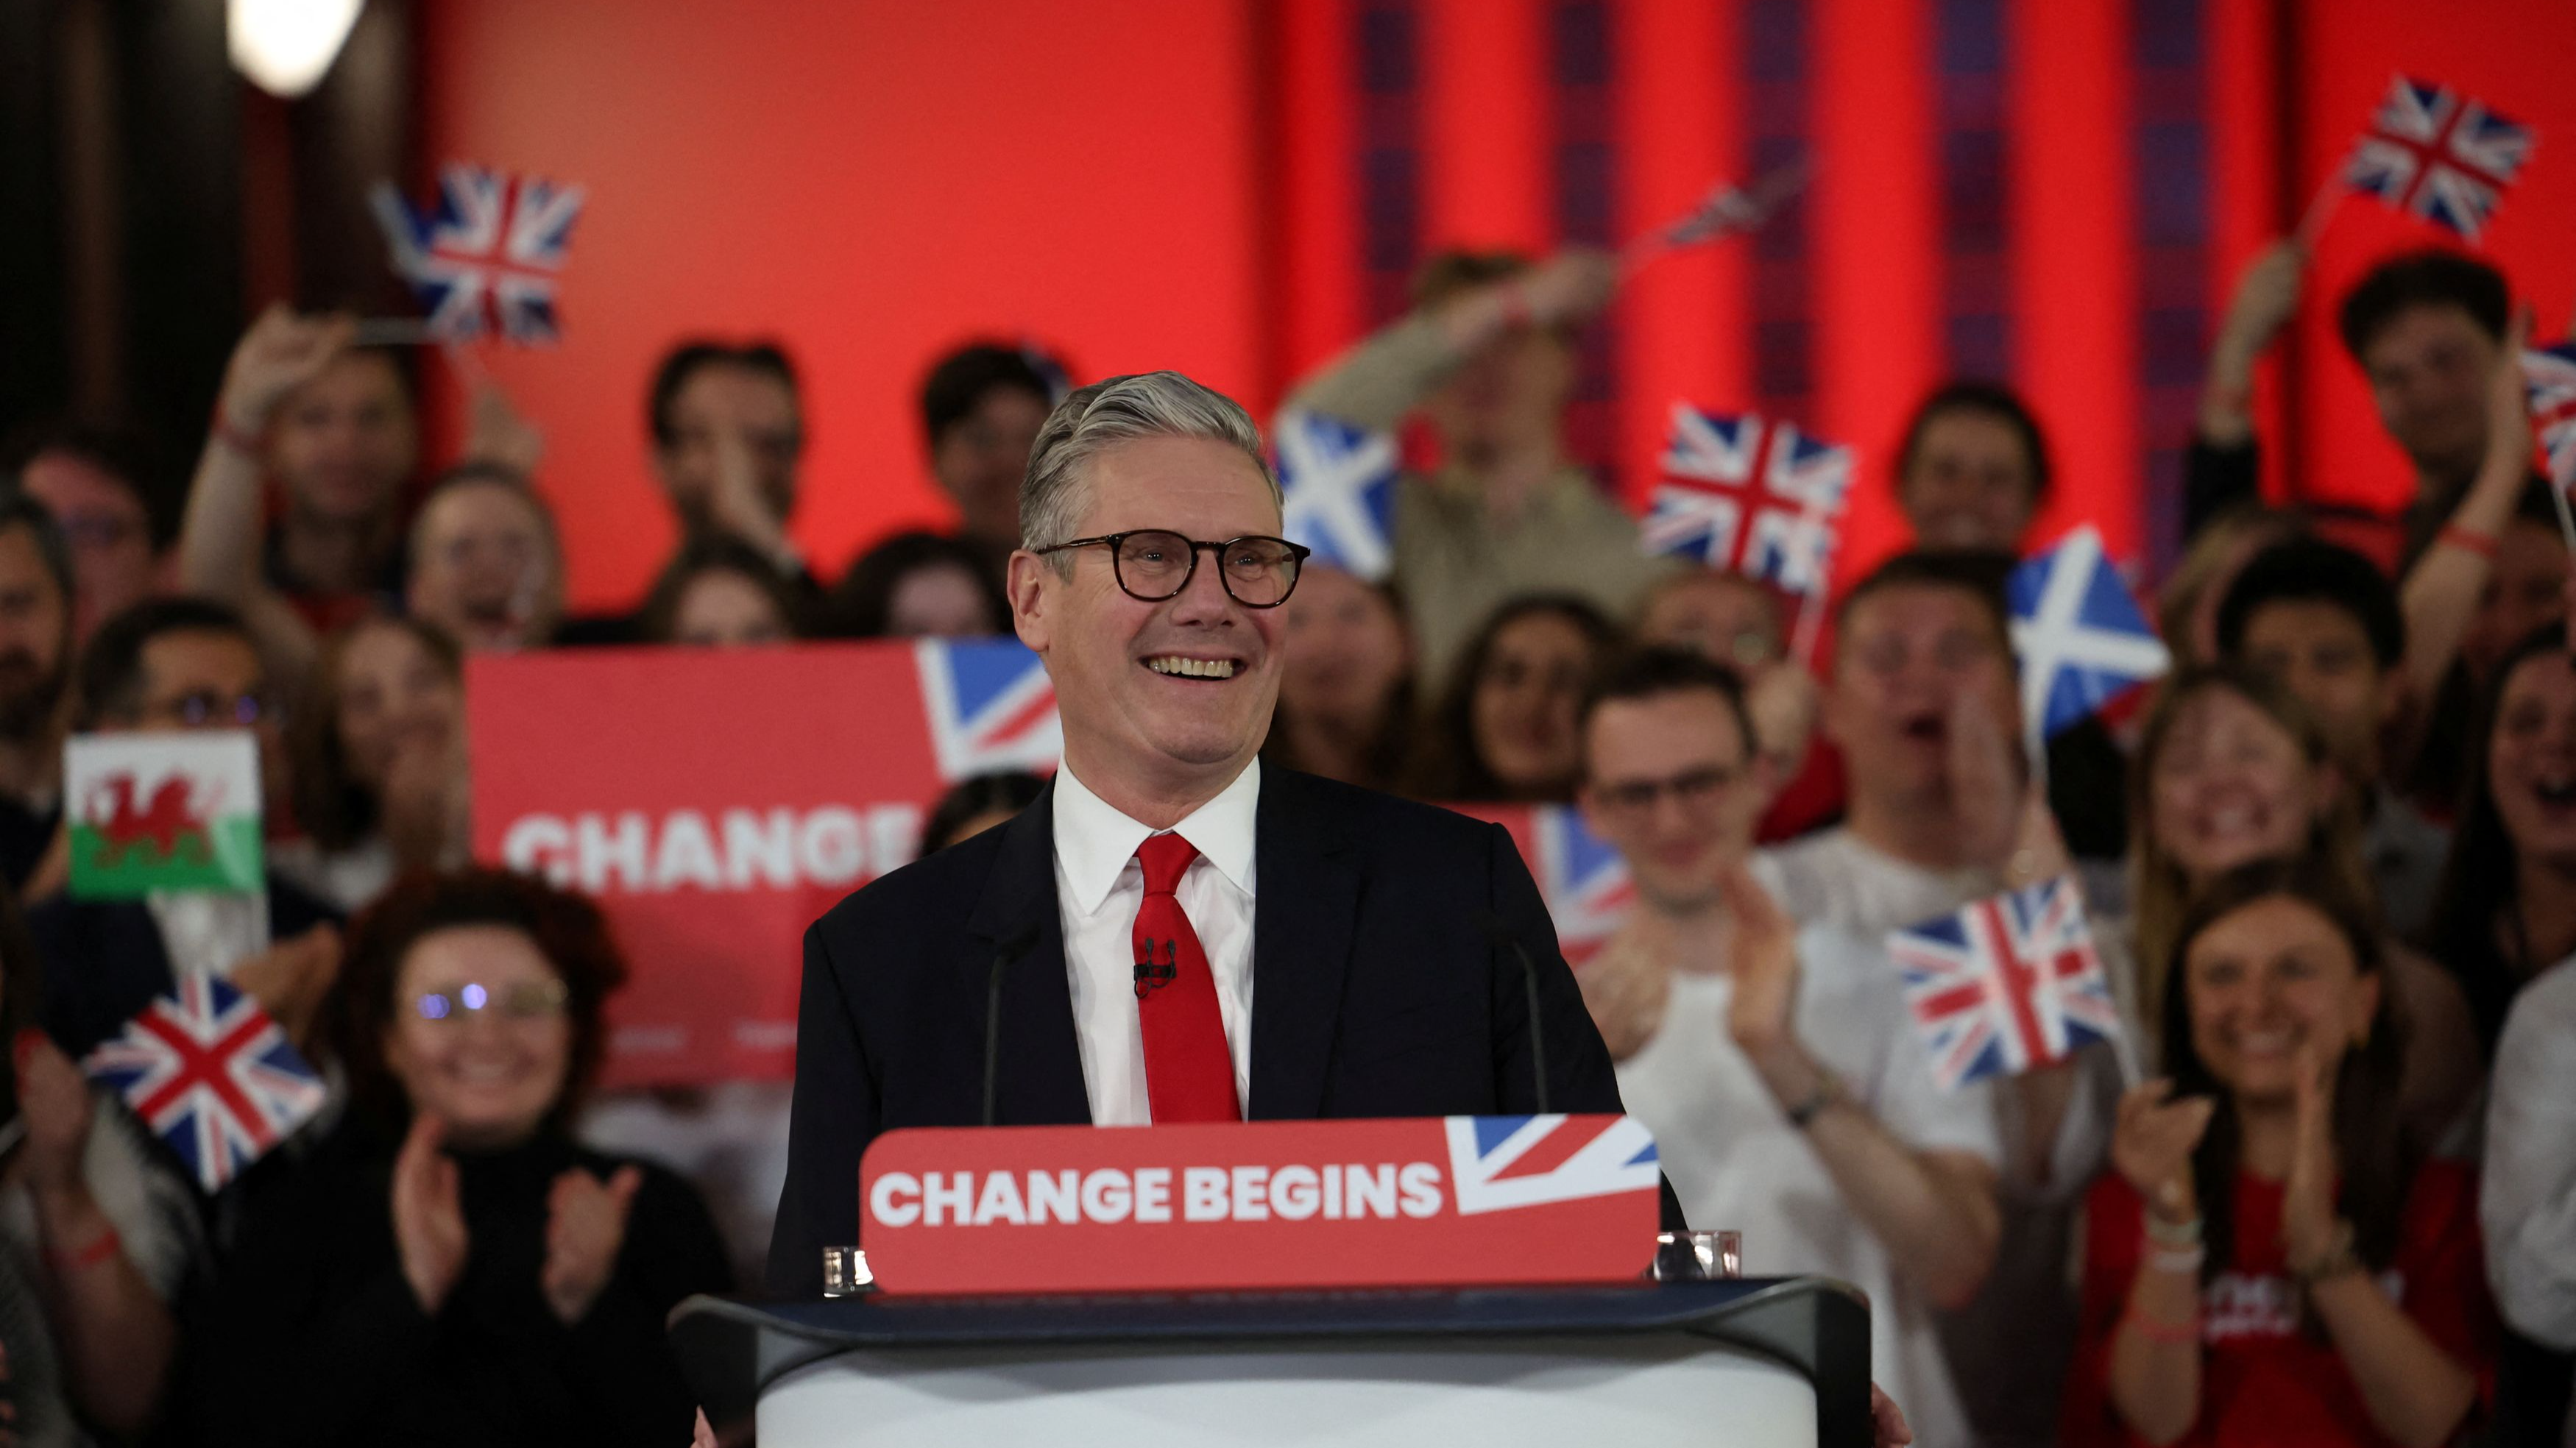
{"x": 2318, "y": 1187}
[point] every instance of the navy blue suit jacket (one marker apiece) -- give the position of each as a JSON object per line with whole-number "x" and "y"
{"x": 1376, "y": 991}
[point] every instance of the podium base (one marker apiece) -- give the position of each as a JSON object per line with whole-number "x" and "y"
{"x": 1636, "y": 1391}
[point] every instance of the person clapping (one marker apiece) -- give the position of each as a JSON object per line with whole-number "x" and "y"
{"x": 2273, "y": 1259}
{"x": 449, "y": 1267}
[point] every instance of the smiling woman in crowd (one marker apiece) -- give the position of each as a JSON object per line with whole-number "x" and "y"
{"x": 2233, "y": 769}
{"x": 448, "y": 1267}
{"x": 379, "y": 762}
{"x": 720, "y": 592}
{"x": 1346, "y": 696}
{"x": 1505, "y": 728}
{"x": 2273, "y": 1259}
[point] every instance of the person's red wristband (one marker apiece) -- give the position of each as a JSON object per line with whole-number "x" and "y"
{"x": 2154, "y": 1331}
{"x": 2461, "y": 538}
{"x": 233, "y": 437}
{"x": 99, "y": 1250}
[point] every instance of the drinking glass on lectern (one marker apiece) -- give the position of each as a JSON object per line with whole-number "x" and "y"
{"x": 1697, "y": 1256}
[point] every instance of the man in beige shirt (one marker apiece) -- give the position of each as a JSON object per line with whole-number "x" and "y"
{"x": 1488, "y": 357}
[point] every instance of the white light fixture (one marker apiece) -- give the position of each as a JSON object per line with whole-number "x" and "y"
{"x": 285, "y": 46}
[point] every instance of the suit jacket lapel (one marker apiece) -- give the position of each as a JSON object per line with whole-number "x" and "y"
{"x": 1301, "y": 944}
{"x": 1041, "y": 1058}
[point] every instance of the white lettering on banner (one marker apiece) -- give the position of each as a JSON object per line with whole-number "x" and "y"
{"x": 633, "y": 853}
{"x": 1109, "y": 1195}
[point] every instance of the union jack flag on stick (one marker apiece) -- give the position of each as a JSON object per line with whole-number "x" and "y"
{"x": 2008, "y": 984}
{"x": 2432, "y": 152}
{"x": 1726, "y": 210}
{"x": 1754, "y": 497}
{"x": 488, "y": 259}
{"x": 2549, "y": 379}
{"x": 211, "y": 1074}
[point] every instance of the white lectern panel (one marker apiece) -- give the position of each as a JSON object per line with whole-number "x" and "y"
{"x": 1642, "y": 1391}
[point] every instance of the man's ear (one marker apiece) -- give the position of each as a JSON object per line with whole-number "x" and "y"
{"x": 1026, "y": 584}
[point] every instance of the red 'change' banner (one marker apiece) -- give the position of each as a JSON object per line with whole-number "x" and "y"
{"x": 716, "y": 801}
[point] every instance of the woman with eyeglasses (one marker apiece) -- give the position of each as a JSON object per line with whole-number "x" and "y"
{"x": 449, "y": 1266}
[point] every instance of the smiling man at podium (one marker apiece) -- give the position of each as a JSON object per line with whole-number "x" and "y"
{"x": 1172, "y": 933}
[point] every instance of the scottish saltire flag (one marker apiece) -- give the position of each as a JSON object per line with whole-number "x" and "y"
{"x": 2008, "y": 983}
{"x": 156, "y": 811}
{"x": 1337, "y": 489}
{"x": 991, "y": 707}
{"x": 1583, "y": 880}
{"x": 488, "y": 259}
{"x": 1502, "y": 1162}
{"x": 209, "y": 1072}
{"x": 1748, "y": 496}
{"x": 2549, "y": 375}
{"x": 2438, "y": 154}
{"x": 2081, "y": 637}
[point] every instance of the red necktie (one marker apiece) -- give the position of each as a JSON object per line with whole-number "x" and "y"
{"x": 1188, "y": 1074}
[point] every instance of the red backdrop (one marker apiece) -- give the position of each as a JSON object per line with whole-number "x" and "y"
{"x": 2058, "y": 193}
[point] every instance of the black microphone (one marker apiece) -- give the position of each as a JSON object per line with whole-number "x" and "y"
{"x": 1011, "y": 950}
{"x": 1501, "y": 935}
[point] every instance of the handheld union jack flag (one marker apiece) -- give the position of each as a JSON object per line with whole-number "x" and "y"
{"x": 2549, "y": 375}
{"x": 991, "y": 707}
{"x": 2438, "y": 154}
{"x": 2081, "y": 637}
{"x": 1502, "y": 1162}
{"x": 488, "y": 259}
{"x": 209, "y": 1072}
{"x": 1753, "y": 497}
{"x": 1583, "y": 880}
{"x": 2007, "y": 984}
{"x": 1726, "y": 210}
{"x": 1337, "y": 488}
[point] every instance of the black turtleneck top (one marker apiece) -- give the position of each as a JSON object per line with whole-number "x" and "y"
{"x": 315, "y": 1336}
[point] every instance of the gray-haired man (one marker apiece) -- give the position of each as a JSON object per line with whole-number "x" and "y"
{"x": 1144, "y": 979}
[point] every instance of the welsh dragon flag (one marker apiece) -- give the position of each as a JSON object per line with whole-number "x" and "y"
{"x": 163, "y": 811}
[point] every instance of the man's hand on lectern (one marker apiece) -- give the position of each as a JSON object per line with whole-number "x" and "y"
{"x": 1886, "y": 1420}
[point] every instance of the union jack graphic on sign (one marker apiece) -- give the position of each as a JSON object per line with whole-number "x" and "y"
{"x": 489, "y": 258}
{"x": 2438, "y": 154}
{"x": 2006, "y": 984}
{"x": 211, "y": 1074}
{"x": 1502, "y": 1162}
{"x": 1752, "y": 497}
{"x": 991, "y": 707}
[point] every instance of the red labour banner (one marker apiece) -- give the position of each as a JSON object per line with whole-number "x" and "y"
{"x": 1481, "y": 1200}
{"x": 717, "y": 800}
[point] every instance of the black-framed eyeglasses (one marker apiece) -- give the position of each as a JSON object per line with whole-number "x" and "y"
{"x": 524, "y": 1000}
{"x": 1153, "y": 564}
{"x": 1694, "y": 790}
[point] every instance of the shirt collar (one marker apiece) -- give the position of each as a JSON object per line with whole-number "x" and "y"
{"x": 1094, "y": 841}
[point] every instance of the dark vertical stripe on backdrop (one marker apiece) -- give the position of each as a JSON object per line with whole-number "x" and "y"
{"x": 1388, "y": 138}
{"x": 1969, "y": 91}
{"x": 1583, "y": 208}
{"x": 2170, "y": 170}
{"x": 1773, "y": 51}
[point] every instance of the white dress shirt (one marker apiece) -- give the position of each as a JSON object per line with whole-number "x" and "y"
{"x": 2528, "y": 1195}
{"x": 1098, "y": 889}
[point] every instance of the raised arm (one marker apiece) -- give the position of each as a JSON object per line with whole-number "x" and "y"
{"x": 2441, "y": 591}
{"x": 1934, "y": 1210}
{"x": 219, "y": 535}
{"x": 1378, "y": 382}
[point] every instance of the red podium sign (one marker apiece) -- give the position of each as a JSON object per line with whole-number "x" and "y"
{"x": 1275, "y": 1204}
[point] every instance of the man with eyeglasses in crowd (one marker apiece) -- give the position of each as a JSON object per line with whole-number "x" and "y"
{"x": 1777, "y": 1068}
{"x": 1182, "y": 935}
{"x": 181, "y": 663}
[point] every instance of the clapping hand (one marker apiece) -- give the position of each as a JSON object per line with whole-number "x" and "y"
{"x": 2152, "y": 1142}
{"x": 429, "y": 1215}
{"x": 585, "y": 1227}
{"x": 1764, "y": 960}
{"x": 2309, "y": 1226}
{"x": 1987, "y": 780}
{"x": 54, "y": 1100}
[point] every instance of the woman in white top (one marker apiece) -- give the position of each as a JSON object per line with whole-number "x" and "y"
{"x": 379, "y": 748}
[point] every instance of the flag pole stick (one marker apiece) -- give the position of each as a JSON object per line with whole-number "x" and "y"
{"x": 392, "y": 332}
{"x": 1811, "y": 619}
{"x": 2566, "y": 519}
{"x": 2321, "y": 210}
